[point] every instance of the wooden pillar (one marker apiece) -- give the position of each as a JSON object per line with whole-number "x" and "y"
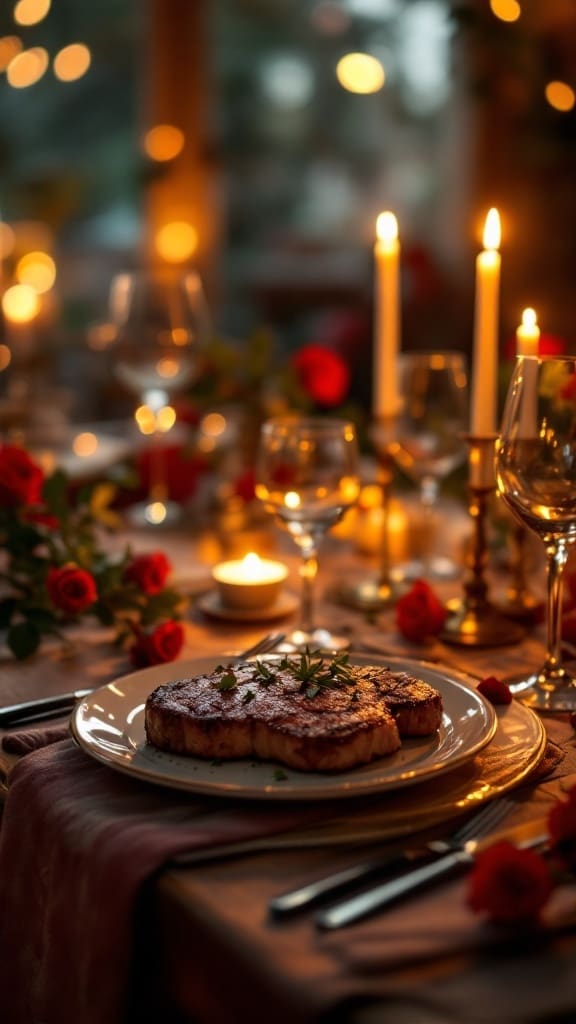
{"x": 178, "y": 91}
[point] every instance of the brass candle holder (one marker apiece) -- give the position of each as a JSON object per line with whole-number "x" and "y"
{"x": 519, "y": 601}
{"x": 476, "y": 622}
{"x": 373, "y": 594}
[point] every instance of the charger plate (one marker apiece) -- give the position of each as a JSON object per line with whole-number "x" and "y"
{"x": 478, "y": 752}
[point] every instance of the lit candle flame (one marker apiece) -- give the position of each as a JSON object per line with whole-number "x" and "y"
{"x": 529, "y": 318}
{"x": 386, "y": 227}
{"x": 492, "y": 230}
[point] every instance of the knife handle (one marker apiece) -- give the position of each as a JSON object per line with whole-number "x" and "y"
{"x": 38, "y": 710}
{"x": 356, "y": 907}
{"x": 310, "y": 895}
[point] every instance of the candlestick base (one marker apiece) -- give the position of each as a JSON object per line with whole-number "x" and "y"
{"x": 519, "y": 602}
{"x": 476, "y": 622}
{"x": 523, "y": 607}
{"x": 480, "y": 627}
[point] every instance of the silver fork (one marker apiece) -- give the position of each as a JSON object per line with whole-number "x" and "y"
{"x": 381, "y": 896}
{"x": 266, "y": 643}
{"x": 339, "y": 882}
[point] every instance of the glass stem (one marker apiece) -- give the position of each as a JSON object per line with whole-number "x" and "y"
{"x": 157, "y": 489}
{"x": 308, "y": 572}
{"x": 557, "y": 554}
{"x": 429, "y": 489}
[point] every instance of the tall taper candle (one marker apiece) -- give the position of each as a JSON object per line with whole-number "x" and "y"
{"x": 485, "y": 364}
{"x": 386, "y": 316}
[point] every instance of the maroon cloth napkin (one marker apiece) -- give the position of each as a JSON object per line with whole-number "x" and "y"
{"x": 26, "y": 740}
{"x": 78, "y": 841}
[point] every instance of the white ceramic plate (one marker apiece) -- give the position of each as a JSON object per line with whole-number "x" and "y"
{"x": 109, "y": 725}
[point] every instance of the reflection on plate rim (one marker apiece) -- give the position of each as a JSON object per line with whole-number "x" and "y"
{"x": 329, "y": 786}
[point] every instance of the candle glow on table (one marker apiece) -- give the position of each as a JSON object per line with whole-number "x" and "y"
{"x": 528, "y": 334}
{"x": 485, "y": 364}
{"x": 386, "y": 316}
{"x": 249, "y": 582}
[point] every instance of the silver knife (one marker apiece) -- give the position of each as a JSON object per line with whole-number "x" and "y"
{"x": 41, "y": 709}
{"x": 335, "y": 884}
{"x": 353, "y": 909}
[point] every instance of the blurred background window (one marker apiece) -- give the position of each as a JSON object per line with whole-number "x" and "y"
{"x": 259, "y": 140}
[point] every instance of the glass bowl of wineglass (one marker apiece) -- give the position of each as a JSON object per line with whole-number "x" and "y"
{"x": 536, "y": 477}
{"x": 427, "y": 440}
{"x": 161, "y": 323}
{"x": 307, "y": 477}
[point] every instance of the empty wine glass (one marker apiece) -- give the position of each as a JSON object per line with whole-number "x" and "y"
{"x": 428, "y": 438}
{"x": 307, "y": 477}
{"x": 161, "y": 322}
{"x": 536, "y": 474}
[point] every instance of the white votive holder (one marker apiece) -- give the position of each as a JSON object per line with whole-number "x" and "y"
{"x": 249, "y": 582}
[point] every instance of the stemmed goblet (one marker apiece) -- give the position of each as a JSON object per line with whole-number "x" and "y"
{"x": 428, "y": 437}
{"x": 536, "y": 476}
{"x": 307, "y": 477}
{"x": 161, "y": 323}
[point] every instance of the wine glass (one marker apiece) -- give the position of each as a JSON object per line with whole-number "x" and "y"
{"x": 161, "y": 323}
{"x": 307, "y": 477}
{"x": 427, "y": 439}
{"x": 536, "y": 475}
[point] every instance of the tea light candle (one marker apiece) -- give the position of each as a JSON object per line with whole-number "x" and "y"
{"x": 249, "y": 582}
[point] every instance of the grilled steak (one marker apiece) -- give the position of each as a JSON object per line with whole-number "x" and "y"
{"x": 324, "y": 720}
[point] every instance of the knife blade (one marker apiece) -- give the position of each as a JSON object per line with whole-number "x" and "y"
{"x": 38, "y": 710}
{"x": 381, "y": 896}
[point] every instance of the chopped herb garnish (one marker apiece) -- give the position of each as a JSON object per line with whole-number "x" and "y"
{"x": 248, "y": 696}
{"x": 227, "y": 681}
{"x": 280, "y": 775}
{"x": 216, "y": 763}
{"x": 315, "y": 673}
{"x": 264, "y": 674}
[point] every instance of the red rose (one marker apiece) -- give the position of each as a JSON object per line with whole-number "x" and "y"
{"x": 71, "y": 589}
{"x": 322, "y": 374}
{"x": 562, "y": 829}
{"x": 21, "y": 479}
{"x": 245, "y": 486}
{"x": 568, "y": 390}
{"x": 164, "y": 643}
{"x": 548, "y": 345}
{"x": 149, "y": 572}
{"x": 495, "y": 690}
{"x": 420, "y": 613}
{"x": 508, "y": 885}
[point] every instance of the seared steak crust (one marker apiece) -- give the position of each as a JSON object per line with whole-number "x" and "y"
{"x": 240, "y": 713}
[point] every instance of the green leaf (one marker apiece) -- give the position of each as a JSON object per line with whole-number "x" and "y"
{"x": 55, "y": 494}
{"x": 41, "y": 618}
{"x": 7, "y": 609}
{"x": 23, "y": 639}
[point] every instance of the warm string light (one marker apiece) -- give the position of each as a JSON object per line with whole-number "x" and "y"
{"x": 360, "y": 73}
{"x": 506, "y": 10}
